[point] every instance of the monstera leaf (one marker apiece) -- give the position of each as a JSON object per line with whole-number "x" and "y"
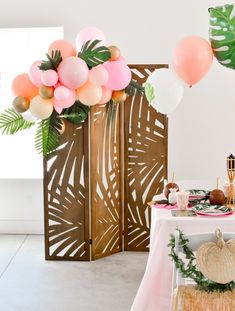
{"x": 222, "y": 34}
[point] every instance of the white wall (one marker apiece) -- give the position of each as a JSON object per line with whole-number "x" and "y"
{"x": 201, "y": 130}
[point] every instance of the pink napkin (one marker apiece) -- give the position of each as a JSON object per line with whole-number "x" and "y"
{"x": 164, "y": 206}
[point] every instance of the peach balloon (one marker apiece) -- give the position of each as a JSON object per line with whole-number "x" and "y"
{"x": 35, "y": 73}
{"x": 41, "y": 108}
{"x": 106, "y": 95}
{"x": 192, "y": 59}
{"x": 22, "y": 86}
{"x": 98, "y": 75}
{"x": 89, "y": 94}
{"x": 65, "y": 47}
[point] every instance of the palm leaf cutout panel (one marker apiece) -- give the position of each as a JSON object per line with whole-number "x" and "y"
{"x": 105, "y": 180}
{"x": 222, "y": 34}
{"x": 66, "y": 197}
{"x": 145, "y": 162}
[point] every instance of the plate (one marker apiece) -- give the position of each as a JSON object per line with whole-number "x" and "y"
{"x": 211, "y": 210}
{"x": 197, "y": 194}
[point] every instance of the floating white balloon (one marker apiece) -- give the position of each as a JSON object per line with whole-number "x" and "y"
{"x": 163, "y": 90}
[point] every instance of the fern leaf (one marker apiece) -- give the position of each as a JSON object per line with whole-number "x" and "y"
{"x": 93, "y": 55}
{"x": 11, "y": 122}
{"x": 52, "y": 61}
{"x": 47, "y": 137}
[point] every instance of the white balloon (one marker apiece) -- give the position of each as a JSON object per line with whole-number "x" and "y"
{"x": 163, "y": 90}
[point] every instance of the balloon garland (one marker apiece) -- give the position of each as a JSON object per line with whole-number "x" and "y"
{"x": 65, "y": 85}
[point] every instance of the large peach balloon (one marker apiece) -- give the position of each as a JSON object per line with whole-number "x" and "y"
{"x": 73, "y": 72}
{"x": 119, "y": 74}
{"x": 66, "y": 48}
{"x": 89, "y": 33}
{"x": 89, "y": 94}
{"x": 22, "y": 86}
{"x": 41, "y": 108}
{"x": 35, "y": 73}
{"x": 192, "y": 59}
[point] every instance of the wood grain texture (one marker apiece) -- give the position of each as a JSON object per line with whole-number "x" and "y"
{"x": 145, "y": 162}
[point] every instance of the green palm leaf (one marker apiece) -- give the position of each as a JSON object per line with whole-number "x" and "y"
{"x": 222, "y": 34}
{"x": 93, "y": 55}
{"x": 77, "y": 113}
{"x": 11, "y": 122}
{"x": 53, "y": 61}
{"x": 47, "y": 137}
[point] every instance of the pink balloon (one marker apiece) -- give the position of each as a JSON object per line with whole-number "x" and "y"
{"x": 62, "y": 92}
{"x": 89, "y": 33}
{"x": 65, "y": 47}
{"x": 58, "y": 109}
{"x": 66, "y": 103}
{"x": 35, "y": 73}
{"x": 49, "y": 77}
{"x": 73, "y": 72}
{"x": 119, "y": 75}
{"x": 98, "y": 75}
{"x": 192, "y": 59}
{"x": 106, "y": 96}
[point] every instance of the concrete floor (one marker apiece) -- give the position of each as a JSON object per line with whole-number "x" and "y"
{"x": 29, "y": 283}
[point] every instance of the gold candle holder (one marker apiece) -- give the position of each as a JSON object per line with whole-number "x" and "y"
{"x": 231, "y": 175}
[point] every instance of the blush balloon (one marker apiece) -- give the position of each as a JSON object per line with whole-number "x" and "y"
{"x": 89, "y": 33}
{"x": 61, "y": 92}
{"x": 67, "y": 102}
{"x": 35, "y": 73}
{"x": 49, "y": 77}
{"x": 73, "y": 72}
{"x": 65, "y": 47}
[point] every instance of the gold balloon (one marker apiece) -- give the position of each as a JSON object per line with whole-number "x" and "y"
{"x": 115, "y": 52}
{"x": 119, "y": 96}
{"x": 46, "y": 92}
{"x": 21, "y": 104}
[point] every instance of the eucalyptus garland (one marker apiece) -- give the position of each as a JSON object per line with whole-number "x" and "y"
{"x": 190, "y": 270}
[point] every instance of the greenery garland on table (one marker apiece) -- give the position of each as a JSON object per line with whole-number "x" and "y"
{"x": 190, "y": 270}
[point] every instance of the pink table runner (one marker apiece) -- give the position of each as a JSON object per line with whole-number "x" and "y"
{"x": 154, "y": 293}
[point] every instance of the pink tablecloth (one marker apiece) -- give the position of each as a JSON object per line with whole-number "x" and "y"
{"x": 154, "y": 293}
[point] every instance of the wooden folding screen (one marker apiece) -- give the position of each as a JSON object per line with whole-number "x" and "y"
{"x": 90, "y": 187}
{"x": 145, "y": 165}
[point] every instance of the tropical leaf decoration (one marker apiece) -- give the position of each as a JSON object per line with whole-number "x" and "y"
{"x": 134, "y": 88}
{"x": 52, "y": 61}
{"x": 222, "y": 34}
{"x": 47, "y": 137}
{"x": 77, "y": 113}
{"x": 11, "y": 122}
{"x": 94, "y": 55}
{"x": 149, "y": 92}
